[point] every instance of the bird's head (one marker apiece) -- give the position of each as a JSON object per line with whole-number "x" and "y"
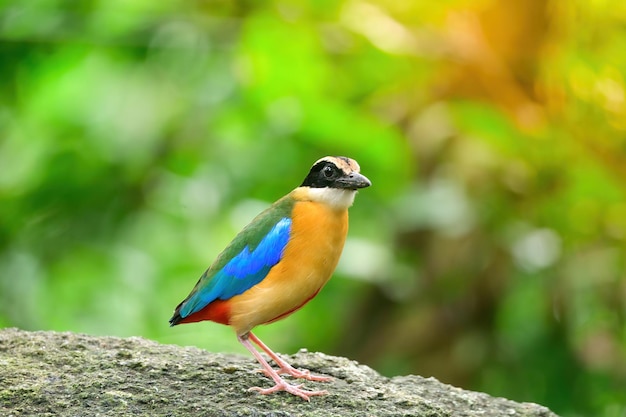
{"x": 334, "y": 180}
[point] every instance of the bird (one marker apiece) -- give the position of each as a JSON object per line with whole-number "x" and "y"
{"x": 278, "y": 263}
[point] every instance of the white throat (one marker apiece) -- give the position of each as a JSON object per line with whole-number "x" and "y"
{"x": 337, "y": 198}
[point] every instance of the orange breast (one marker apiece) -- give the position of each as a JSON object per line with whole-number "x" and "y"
{"x": 318, "y": 234}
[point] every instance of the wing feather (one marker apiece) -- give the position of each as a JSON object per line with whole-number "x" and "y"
{"x": 243, "y": 271}
{"x": 245, "y": 262}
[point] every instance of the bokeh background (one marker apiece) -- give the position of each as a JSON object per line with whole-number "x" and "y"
{"x": 138, "y": 136}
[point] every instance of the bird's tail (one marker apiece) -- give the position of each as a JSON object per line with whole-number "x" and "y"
{"x": 176, "y": 318}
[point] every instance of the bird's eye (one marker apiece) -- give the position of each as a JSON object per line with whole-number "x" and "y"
{"x": 328, "y": 172}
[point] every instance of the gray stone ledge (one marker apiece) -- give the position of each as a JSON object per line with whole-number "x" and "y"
{"x": 67, "y": 374}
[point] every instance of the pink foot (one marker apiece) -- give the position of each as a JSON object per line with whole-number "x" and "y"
{"x": 291, "y": 389}
{"x": 284, "y": 367}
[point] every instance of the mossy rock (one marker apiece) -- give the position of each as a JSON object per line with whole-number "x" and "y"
{"x": 67, "y": 374}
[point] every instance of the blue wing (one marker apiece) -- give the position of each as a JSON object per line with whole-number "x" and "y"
{"x": 243, "y": 271}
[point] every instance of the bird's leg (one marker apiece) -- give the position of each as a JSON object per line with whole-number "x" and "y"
{"x": 280, "y": 384}
{"x": 285, "y": 368}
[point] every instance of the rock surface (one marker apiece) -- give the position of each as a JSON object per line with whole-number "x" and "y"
{"x": 67, "y": 374}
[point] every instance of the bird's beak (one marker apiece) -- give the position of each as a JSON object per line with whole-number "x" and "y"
{"x": 353, "y": 181}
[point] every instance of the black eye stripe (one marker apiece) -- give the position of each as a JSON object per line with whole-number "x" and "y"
{"x": 322, "y": 174}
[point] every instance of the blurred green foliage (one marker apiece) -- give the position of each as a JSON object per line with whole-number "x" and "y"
{"x": 138, "y": 137}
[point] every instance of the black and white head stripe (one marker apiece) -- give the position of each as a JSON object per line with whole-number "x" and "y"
{"x": 335, "y": 172}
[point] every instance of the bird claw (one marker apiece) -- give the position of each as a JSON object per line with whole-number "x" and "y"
{"x": 291, "y": 389}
